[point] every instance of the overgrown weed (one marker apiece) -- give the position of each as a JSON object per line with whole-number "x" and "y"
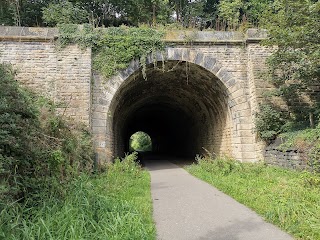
{"x": 114, "y": 47}
{"x": 47, "y": 186}
{"x": 115, "y": 204}
{"x": 286, "y": 198}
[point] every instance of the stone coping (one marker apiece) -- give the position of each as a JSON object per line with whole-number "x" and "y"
{"x": 215, "y": 37}
{"x": 38, "y": 34}
{"x": 33, "y": 34}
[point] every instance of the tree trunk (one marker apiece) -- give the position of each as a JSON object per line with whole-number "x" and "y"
{"x": 311, "y": 119}
{"x": 154, "y": 19}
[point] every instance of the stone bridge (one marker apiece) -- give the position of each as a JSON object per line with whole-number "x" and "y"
{"x": 201, "y": 96}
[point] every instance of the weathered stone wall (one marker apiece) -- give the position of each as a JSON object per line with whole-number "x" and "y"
{"x": 257, "y": 84}
{"x": 233, "y": 62}
{"x": 223, "y": 96}
{"x": 290, "y": 158}
{"x": 63, "y": 75}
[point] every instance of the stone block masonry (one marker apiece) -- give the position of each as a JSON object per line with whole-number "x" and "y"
{"x": 63, "y": 75}
{"x": 290, "y": 158}
{"x": 219, "y": 97}
{"x": 211, "y": 104}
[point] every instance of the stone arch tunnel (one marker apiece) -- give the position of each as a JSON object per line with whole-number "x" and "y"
{"x": 182, "y": 106}
{"x": 206, "y": 98}
{"x": 198, "y": 103}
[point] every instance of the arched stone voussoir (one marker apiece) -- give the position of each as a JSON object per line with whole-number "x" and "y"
{"x": 224, "y": 75}
{"x": 133, "y": 66}
{"x": 174, "y": 54}
{"x": 199, "y": 59}
{"x": 186, "y": 53}
{"x": 208, "y": 63}
{"x": 158, "y": 56}
{"x": 113, "y": 83}
{"x": 231, "y": 82}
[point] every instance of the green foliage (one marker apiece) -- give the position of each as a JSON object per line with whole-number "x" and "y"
{"x": 114, "y": 205}
{"x": 222, "y": 165}
{"x": 84, "y": 35}
{"x": 22, "y": 12}
{"x": 39, "y": 151}
{"x": 46, "y": 189}
{"x": 229, "y": 11}
{"x": 141, "y": 142}
{"x": 141, "y": 11}
{"x": 119, "y": 46}
{"x": 286, "y": 198}
{"x": 193, "y": 14}
{"x": 6, "y": 17}
{"x": 254, "y": 10}
{"x": 235, "y": 14}
{"x": 270, "y": 122}
{"x": 113, "y": 48}
{"x": 295, "y": 67}
{"x": 64, "y": 12}
{"x": 185, "y": 13}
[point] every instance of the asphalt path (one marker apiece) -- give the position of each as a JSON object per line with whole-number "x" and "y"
{"x": 187, "y": 208}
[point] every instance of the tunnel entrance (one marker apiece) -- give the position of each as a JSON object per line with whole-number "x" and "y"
{"x": 140, "y": 142}
{"x": 183, "y": 107}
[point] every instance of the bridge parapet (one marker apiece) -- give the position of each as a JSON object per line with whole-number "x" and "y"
{"x": 37, "y": 34}
{"x": 22, "y": 34}
{"x": 214, "y": 37}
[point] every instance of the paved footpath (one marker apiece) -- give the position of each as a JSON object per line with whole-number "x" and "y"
{"x": 187, "y": 208}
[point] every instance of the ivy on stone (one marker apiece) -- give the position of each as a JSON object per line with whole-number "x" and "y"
{"x": 115, "y": 47}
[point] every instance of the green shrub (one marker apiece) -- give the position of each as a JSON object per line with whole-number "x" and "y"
{"x": 127, "y": 165}
{"x": 64, "y": 12}
{"x": 115, "y": 47}
{"x": 269, "y": 122}
{"x": 40, "y": 152}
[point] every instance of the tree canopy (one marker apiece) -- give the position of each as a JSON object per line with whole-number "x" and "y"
{"x": 219, "y": 14}
{"x": 293, "y": 27}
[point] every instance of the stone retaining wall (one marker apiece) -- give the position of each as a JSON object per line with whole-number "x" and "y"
{"x": 290, "y": 158}
{"x": 63, "y": 75}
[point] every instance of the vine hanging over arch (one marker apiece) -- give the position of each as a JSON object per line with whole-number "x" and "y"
{"x": 115, "y": 47}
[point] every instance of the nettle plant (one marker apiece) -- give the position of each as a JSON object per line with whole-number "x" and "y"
{"x": 115, "y": 47}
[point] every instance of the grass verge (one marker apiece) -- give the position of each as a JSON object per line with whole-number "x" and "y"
{"x": 286, "y": 198}
{"x": 112, "y": 205}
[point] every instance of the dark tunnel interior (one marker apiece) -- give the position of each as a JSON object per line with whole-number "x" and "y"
{"x": 183, "y": 108}
{"x": 169, "y": 128}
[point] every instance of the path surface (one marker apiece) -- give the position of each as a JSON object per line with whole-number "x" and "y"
{"x": 187, "y": 208}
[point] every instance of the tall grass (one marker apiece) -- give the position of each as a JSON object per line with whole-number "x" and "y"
{"x": 113, "y": 205}
{"x": 286, "y": 198}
